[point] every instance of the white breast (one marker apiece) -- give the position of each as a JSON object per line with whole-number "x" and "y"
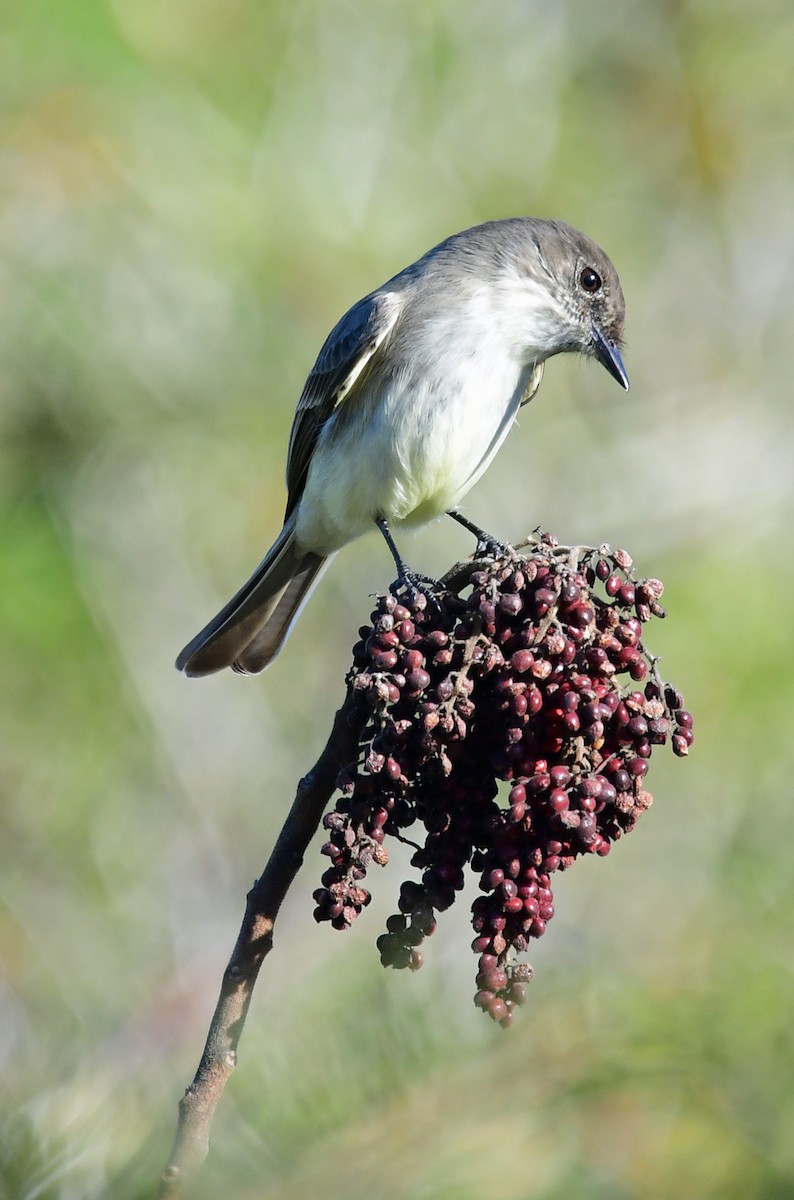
{"x": 408, "y": 444}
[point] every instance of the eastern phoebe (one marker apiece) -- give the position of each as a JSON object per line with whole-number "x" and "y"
{"x": 411, "y": 396}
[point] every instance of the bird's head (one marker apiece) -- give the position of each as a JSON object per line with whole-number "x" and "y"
{"x": 584, "y": 293}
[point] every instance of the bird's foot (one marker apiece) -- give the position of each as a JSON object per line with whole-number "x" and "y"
{"x": 414, "y": 582}
{"x": 487, "y": 545}
{"x": 419, "y": 582}
{"x": 406, "y": 578}
{"x": 419, "y": 592}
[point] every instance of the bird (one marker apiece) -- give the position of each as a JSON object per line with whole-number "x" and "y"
{"x": 411, "y": 396}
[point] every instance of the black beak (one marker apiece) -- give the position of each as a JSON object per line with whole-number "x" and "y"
{"x": 608, "y": 355}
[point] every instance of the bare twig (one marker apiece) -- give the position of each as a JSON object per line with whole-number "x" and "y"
{"x": 254, "y": 941}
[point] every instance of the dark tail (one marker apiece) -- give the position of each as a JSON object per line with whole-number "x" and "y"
{"x": 249, "y": 631}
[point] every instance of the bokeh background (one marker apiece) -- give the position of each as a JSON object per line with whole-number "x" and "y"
{"x": 191, "y": 192}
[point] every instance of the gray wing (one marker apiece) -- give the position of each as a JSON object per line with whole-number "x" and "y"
{"x": 347, "y": 350}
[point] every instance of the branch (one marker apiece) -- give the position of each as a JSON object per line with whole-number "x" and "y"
{"x": 254, "y": 942}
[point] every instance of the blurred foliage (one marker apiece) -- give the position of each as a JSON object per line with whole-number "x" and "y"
{"x": 191, "y": 192}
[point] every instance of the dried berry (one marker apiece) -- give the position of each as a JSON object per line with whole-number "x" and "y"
{"x": 527, "y": 676}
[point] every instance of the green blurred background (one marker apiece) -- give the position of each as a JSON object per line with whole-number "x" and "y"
{"x": 191, "y": 192}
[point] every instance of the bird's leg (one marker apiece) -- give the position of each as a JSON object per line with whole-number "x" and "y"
{"x": 405, "y": 576}
{"x": 486, "y": 542}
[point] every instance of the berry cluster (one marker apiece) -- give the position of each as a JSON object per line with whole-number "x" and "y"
{"x": 512, "y": 720}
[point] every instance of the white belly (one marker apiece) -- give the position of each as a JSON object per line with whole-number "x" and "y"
{"x": 408, "y": 451}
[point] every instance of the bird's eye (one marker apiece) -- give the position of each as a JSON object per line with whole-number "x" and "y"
{"x": 590, "y": 280}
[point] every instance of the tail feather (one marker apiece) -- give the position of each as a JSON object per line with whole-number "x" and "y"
{"x": 239, "y": 635}
{"x": 266, "y": 644}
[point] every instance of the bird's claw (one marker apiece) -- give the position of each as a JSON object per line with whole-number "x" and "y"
{"x": 414, "y": 584}
{"x": 489, "y": 547}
